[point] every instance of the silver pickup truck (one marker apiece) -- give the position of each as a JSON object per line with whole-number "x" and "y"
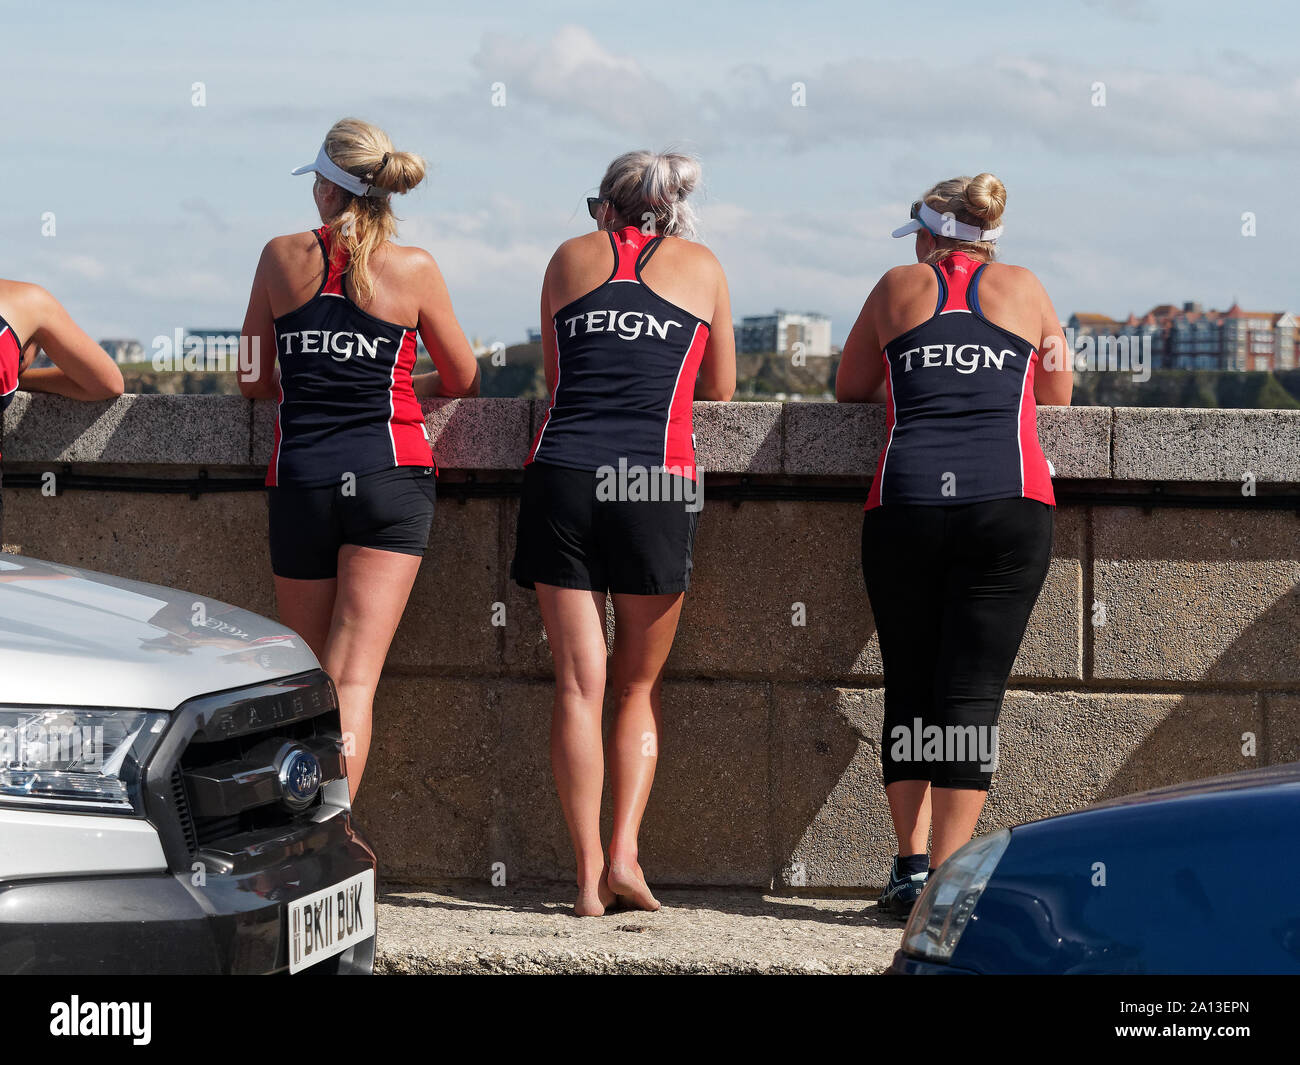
{"x": 173, "y": 789}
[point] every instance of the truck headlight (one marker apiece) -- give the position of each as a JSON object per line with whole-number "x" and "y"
{"x": 69, "y": 757}
{"x": 942, "y": 912}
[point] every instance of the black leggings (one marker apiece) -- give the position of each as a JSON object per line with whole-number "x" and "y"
{"x": 951, "y": 589}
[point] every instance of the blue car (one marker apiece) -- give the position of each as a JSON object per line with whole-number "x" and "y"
{"x": 1197, "y": 878}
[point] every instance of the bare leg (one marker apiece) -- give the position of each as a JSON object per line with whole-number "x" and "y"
{"x": 307, "y": 607}
{"x": 575, "y": 629}
{"x": 644, "y": 631}
{"x": 909, "y": 806}
{"x": 373, "y": 587}
{"x": 956, "y": 813}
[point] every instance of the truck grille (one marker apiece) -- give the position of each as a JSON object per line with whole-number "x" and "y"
{"x": 220, "y": 785}
{"x": 182, "y": 803}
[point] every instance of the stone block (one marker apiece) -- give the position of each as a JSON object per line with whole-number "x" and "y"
{"x": 1197, "y": 595}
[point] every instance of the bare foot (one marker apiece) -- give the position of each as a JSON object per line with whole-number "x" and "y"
{"x": 628, "y": 883}
{"x": 588, "y": 905}
{"x": 591, "y": 904}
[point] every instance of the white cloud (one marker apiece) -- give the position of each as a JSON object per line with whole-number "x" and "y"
{"x": 1039, "y": 99}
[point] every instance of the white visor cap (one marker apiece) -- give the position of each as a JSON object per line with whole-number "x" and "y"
{"x": 331, "y": 171}
{"x": 945, "y": 226}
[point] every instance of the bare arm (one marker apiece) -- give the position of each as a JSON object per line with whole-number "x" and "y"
{"x": 861, "y": 375}
{"x": 258, "y": 375}
{"x": 1054, "y": 381}
{"x": 82, "y": 369}
{"x": 717, "y": 378}
{"x": 457, "y": 372}
{"x": 550, "y": 355}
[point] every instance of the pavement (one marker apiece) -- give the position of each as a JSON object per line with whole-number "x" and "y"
{"x": 473, "y": 929}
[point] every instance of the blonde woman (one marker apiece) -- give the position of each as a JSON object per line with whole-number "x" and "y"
{"x": 637, "y": 323}
{"x": 957, "y": 534}
{"x": 332, "y": 324}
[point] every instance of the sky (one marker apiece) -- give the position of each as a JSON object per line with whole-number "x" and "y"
{"x": 144, "y": 213}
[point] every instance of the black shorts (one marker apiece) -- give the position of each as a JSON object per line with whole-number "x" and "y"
{"x": 390, "y": 510}
{"x": 571, "y": 538}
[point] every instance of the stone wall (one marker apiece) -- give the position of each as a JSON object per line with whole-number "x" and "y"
{"x": 1166, "y": 640}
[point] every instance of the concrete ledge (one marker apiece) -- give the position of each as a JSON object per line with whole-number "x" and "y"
{"x": 484, "y": 930}
{"x": 824, "y": 439}
{"x": 760, "y": 439}
{"x": 833, "y": 439}
{"x": 1171, "y": 444}
{"x": 190, "y": 430}
{"x": 473, "y": 434}
{"x": 738, "y": 437}
{"x": 1077, "y": 440}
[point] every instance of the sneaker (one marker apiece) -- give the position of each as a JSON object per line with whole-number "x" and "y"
{"x": 901, "y": 893}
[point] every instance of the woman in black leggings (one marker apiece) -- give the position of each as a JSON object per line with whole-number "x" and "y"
{"x": 957, "y": 534}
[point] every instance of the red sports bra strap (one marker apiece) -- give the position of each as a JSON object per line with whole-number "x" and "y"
{"x": 335, "y": 262}
{"x": 957, "y": 273}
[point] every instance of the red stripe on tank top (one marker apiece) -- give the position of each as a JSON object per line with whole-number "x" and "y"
{"x": 10, "y": 356}
{"x": 406, "y": 418}
{"x": 1036, "y": 479}
{"x": 679, "y": 445}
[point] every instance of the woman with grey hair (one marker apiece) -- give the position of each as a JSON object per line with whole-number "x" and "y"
{"x": 637, "y": 324}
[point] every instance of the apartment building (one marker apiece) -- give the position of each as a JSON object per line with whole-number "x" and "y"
{"x": 781, "y": 331}
{"x": 1192, "y": 338}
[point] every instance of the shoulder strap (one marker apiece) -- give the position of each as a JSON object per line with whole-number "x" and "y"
{"x": 972, "y": 293}
{"x": 647, "y": 252}
{"x": 613, "y": 246}
{"x": 942, "y": 297}
{"x": 336, "y": 264}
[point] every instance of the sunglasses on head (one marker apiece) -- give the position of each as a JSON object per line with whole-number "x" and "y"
{"x": 593, "y": 206}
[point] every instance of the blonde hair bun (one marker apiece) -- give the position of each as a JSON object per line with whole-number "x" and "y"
{"x": 986, "y": 198}
{"x": 399, "y": 172}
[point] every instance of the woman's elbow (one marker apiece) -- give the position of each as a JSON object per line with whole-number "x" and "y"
{"x": 715, "y": 390}
{"x": 1057, "y": 396}
{"x": 467, "y": 387}
{"x": 256, "y": 389}
{"x": 110, "y": 386}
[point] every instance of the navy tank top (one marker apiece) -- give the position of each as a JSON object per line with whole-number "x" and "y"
{"x": 627, "y": 363}
{"x": 346, "y": 400}
{"x": 960, "y": 419}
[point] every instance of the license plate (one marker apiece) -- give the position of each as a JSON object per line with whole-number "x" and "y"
{"x": 328, "y": 921}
